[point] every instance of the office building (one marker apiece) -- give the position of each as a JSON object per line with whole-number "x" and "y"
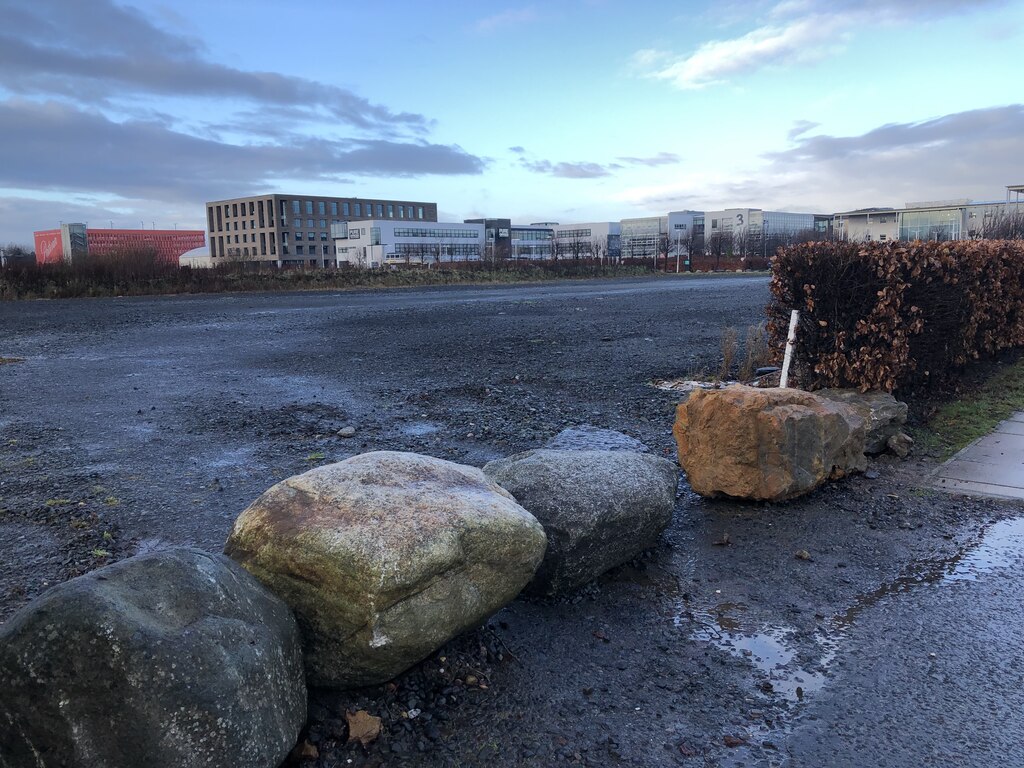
{"x": 375, "y": 243}
{"x": 295, "y": 230}
{"x": 589, "y": 240}
{"x": 73, "y": 242}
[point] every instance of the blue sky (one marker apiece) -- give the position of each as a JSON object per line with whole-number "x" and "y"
{"x": 572, "y": 110}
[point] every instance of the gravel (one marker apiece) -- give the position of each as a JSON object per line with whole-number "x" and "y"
{"x": 133, "y": 424}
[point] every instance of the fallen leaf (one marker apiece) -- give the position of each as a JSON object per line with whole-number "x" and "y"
{"x": 362, "y": 727}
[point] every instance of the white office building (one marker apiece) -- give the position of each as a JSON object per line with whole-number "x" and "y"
{"x": 642, "y": 236}
{"x": 589, "y": 240}
{"x": 378, "y": 242}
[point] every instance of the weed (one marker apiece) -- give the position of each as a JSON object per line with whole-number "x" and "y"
{"x": 318, "y": 456}
{"x": 729, "y": 348}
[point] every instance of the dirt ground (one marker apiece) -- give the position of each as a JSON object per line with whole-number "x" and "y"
{"x": 133, "y": 424}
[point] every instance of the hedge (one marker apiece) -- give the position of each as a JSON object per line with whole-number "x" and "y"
{"x": 896, "y": 316}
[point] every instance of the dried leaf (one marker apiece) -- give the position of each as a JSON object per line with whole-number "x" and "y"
{"x": 362, "y": 727}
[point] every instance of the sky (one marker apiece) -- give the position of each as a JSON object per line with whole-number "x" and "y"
{"x": 135, "y": 114}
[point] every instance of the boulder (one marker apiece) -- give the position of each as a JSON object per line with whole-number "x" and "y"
{"x": 900, "y": 444}
{"x": 599, "y": 509}
{"x": 883, "y": 412}
{"x": 385, "y": 557}
{"x": 768, "y": 444}
{"x": 588, "y": 438}
{"x": 172, "y": 659}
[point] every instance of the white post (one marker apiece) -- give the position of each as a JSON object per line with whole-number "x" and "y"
{"x": 790, "y": 342}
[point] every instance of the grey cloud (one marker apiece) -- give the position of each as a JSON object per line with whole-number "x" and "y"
{"x": 149, "y": 160}
{"x": 801, "y": 127}
{"x": 517, "y": 150}
{"x": 90, "y": 51}
{"x": 662, "y": 158}
{"x": 581, "y": 170}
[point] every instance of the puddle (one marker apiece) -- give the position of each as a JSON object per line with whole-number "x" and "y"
{"x": 1001, "y": 547}
{"x": 420, "y": 429}
{"x": 771, "y": 650}
{"x": 796, "y": 669}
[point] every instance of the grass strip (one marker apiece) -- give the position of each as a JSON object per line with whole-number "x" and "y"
{"x": 974, "y": 414}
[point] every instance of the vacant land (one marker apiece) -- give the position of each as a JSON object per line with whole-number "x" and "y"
{"x": 129, "y": 424}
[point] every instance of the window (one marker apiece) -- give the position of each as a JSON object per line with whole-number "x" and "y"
{"x": 284, "y": 208}
{"x": 391, "y": 211}
{"x": 298, "y": 250}
{"x": 401, "y": 212}
{"x": 323, "y": 236}
{"x": 309, "y": 223}
{"x": 380, "y": 210}
{"x": 296, "y": 206}
{"x": 334, "y": 209}
{"x": 245, "y": 238}
{"x": 298, "y": 235}
{"x": 243, "y": 224}
{"x": 323, "y": 223}
{"x": 311, "y": 235}
{"x": 236, "y": 225}
{"x": 344, "y": 209}
{"x": 358, "y": 209}
{"x": 321, "y": 207}
{"x": 284, "y": 238}
{"x": 309, "y": 206}
{"x": 252, "y": 208}
{"x": 419, "y": 213}
{"x": 408, "y": 211}
{"x": 234, "y": 209}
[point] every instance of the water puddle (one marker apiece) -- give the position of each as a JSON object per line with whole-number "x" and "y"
{"x": 795, "y": 666}
{"x": 420, "y": 429}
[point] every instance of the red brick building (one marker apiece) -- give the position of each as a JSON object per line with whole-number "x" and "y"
{"x": 73, "y": 241}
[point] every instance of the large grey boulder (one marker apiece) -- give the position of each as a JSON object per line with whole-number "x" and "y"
{"x": 385, "y": 557}
{"x": 599, "y": 509}
{"x": 173, "y": 659}
{"x": 884, "y": 414}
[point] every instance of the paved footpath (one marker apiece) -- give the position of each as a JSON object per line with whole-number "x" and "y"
{"x": 990, "y": 466}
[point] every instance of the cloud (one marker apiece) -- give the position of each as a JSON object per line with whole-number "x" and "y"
{"x": 517, "y": 150}
{"x": 99, "y": 52}
{"x": 148, "y": 159}
{"x": 662, "y": 158}
{"x": 563, "y": 170}
{"x": 964, "y": 154}
{"x": 800, "y": 127}
{"x": 590, "y": 170}
{"x": 796, "y": 32}
{"x": 506, "y": 18}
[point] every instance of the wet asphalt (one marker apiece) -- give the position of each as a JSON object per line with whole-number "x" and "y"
{"x": 132, "y": 424}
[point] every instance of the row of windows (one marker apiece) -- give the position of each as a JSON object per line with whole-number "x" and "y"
{"x": 572, "y": 234}
{"x": 235, "y": 210}
{"x": 531, "y": 234}
{"x": 439, "y": 233}
{"x": 353, "y": 209}
{"x": 426, "y": 249}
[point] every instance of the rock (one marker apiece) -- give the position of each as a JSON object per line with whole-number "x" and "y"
{"x": 174, "y": 658}
{"x": 348, "y": 431}
{"x": 767, "y": 444}
{"x": 599, "y": 509}
{"x": 883, "y": 412}
{"x": 385, "y": 557}
{"x": 900, "y": 444}
{"x": 588, "y": 438}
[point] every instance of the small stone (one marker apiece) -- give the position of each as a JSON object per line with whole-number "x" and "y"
{"x": 471, "y": 680}
{"x": 348, "y": 431}
{"x": 802, "y": 554}
{"x": 871, "y": 474}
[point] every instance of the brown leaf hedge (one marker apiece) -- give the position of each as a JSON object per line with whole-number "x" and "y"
{"x": 897, "y": 316}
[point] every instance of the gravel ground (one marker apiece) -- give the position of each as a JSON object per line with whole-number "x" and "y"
{"x": 132, "y": 424}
